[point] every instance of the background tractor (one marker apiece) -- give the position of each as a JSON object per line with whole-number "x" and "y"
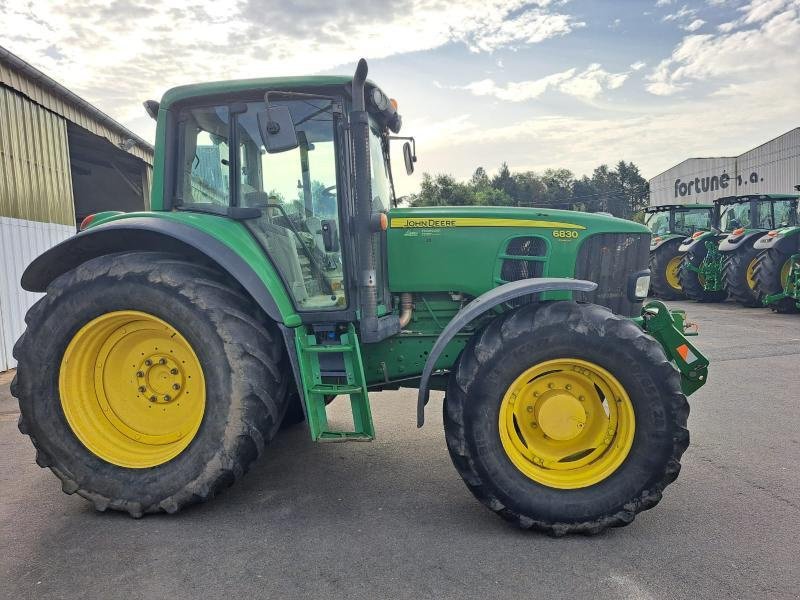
{"x": 272, "y": 273}
{"x": 670, "y": 225}
{"x": 722, "y": 262}
{"x": 777, "y": 271}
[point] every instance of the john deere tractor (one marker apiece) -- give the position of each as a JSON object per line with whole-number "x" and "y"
{"x": 670, "y": 225}
{"x": 722, "y": 262}
{"x": 777, "y": 270}
{"x": 274, "y": 273}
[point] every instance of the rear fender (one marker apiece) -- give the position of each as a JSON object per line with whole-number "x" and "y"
{"x": 165, "y": 235}
{"x": 479, "y": 306}
{"x": 657, "y": 241}
{"x": 691, "y": 242}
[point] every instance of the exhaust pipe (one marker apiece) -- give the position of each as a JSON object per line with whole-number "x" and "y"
{"x": 372, "y": 328}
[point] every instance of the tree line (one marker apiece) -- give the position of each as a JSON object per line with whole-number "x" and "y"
{"x": 621, "y": 191}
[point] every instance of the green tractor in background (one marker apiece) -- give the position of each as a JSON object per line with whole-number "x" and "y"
{"x": 777, "y": 271}
{"x": 670, "y": 225}
{"x": 273, "y": 274}
{"x": 722, "y": 262}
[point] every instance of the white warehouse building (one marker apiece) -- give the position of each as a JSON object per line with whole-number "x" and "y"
{"x": 771, "y": 168}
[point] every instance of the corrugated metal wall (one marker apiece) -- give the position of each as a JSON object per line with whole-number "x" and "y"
{"x": 20, "y": 242}
{"x": 52, "y": 101}
{"x": 35, "y": 180}
{"x": 771, "y": 168}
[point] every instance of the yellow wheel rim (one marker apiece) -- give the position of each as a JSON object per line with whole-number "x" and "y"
{"x": 750, "y": 274}
{"x": 132, "y": 389}
{"x": 566, "y": 423}
{"x": 785, "y": 269}
{"x": 672, "y": 271}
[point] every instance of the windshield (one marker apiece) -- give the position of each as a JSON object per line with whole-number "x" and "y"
{"x": 225, "y": 163}
{"x": 658, "y": 222}
{"x": 785, "y": 214}
{"x": 690, "y": 220}
{"x": 735, "y": 216}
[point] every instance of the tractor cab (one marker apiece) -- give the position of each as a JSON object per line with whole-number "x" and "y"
{"x": 678, "y": 219}
{"x": 756, "y": 213}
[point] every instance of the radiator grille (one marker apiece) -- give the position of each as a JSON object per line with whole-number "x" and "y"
{"x": 515, "y": 269}
{"x": 609, "y": 259}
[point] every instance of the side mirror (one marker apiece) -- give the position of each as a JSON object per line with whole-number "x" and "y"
{"x": 277, "y": 129}
{"x": 409, "y": 158}
{"x": 330, "y": 235}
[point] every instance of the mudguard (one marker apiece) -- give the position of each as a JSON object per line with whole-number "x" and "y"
{"x": 148, "y": 234}
{"x": 691, "y": 242}
{"x": 659, "y": 240}
{"x": 480, "y": 305}
{"x": 785, "y": 239}
{"x": 729, "y": 244}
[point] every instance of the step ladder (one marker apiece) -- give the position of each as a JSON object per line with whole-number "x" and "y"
{"x": 317, "y": 385}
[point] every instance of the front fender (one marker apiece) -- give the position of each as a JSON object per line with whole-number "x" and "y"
{"x": 231, "y": 247}
{"x": 730, "y": 244}
{"x": 786, "y": 240}
{"x": 690, "y": 242}
{"x": 480, "y": 305}
{"x": 659, "y": 240}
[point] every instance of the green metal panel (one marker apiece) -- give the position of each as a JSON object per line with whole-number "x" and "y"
{"x": 35, "y": 179}
{"x": 234, "y": 235}
{"x": 448, "y": 248}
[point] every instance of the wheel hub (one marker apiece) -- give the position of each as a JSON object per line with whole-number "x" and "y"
{"x": 160, "y": 379}
{"x": 561, "y": 416}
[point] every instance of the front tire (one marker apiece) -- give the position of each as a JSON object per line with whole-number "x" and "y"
{"x": 566, "y": 347}
{"x": 771, "y": 274}
{"x": 691, "y": 282}
{"x": 665, "y": 263}
{"x": 147, "y": 383}
{"x": 738, "y": 274}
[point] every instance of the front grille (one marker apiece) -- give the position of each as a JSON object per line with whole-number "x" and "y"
{"x": 609, "y": 259}
{"x": 515, "y": 269}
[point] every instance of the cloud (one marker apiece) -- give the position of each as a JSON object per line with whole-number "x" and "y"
{"x": 695, "y": 25}
{"x": 638, "y": 65}
{"x": 683, "y": 12}
{"x": 117, "y": 53}
{"x": 664, "y": 2}
{"x": 587, "y": 85}
{"x": 737, "y": 55}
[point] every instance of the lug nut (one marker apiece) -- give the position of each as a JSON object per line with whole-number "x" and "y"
{"x": 140, "y": 373}
{"x": 550, "y": 386}
{"x": 148, "y": 362}
{"x": 173, "y": 371}
{"x": 167, "y": 398}
{"x": 568, "y": 386}
{"x": 162, "y": 361}
{"x": 530, "y": 409}
{"x": 581, "y": 398}
{"x": 142, "y": 388}
{"x": 153, "y": 399}
{"x": 176, "y": 386}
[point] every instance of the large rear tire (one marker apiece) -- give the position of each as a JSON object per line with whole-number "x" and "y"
{"x": 610, "y": 406}
{"x": 738, "y": 274}
{"x": 771, "y": 274}
{"x": 665, "y": 263}
{"x": 691, "y": 283}
{"x": 147, "y": 383}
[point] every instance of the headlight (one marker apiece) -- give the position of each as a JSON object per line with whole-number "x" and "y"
{"x": 642, "y": 286}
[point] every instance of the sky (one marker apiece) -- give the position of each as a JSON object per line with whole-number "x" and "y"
{"x": 537, "y": 84}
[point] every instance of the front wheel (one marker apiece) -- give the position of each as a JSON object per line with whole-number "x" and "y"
{"x": 566, "y": 418}
{"x": 738, "y": 274}
{"x": 771, "y": 275}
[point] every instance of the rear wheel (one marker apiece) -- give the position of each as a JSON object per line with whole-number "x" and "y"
{"x": 665, "y": 263}
{"x": 771, "y": 274}
{"x": 738, "y": 274}
{"x": 692, "y": 282}
{"x": 147, "y": 383}
{"x": 566, "y": 418}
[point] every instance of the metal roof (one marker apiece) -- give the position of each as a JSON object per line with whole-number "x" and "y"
{"x": 26, "y": 79}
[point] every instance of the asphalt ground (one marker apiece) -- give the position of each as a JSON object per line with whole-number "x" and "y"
{"x": 392, "y": 519}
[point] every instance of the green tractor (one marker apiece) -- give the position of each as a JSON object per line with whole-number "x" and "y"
{"x": 273, "y": 274}
{"x": 777, "y": 271}
{"x": 721, "y": 262}
{"x": 670, "y": 225}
